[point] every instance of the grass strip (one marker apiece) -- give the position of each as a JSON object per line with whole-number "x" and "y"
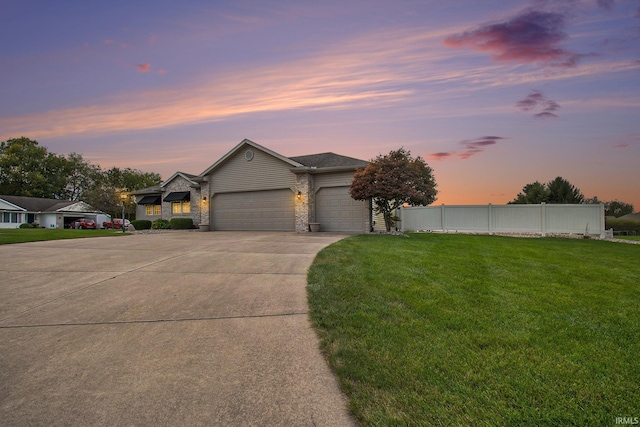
{"x": 22, "y": 235}
{"x": 441, "y": 329}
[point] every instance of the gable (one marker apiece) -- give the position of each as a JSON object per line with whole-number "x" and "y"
{"x": 251, "y": 168}
{"x": 6, "y": 206}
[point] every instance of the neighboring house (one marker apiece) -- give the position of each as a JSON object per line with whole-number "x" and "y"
{"x": 47, "y": 213}
{"x": 254, "y": 188}
{"x": 631, "y": 216}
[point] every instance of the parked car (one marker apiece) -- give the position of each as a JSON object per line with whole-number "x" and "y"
{"x": 117, "y": 223}
{"x": 83, "y": 223}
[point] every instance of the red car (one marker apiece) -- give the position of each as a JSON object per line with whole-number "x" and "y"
{"x": 117, "y": 223}
{"x": 83, "y": 223}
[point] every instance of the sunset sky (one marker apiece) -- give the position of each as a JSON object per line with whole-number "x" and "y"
{"x": 493, "y": 94}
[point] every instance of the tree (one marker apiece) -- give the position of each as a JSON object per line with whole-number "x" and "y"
{"x": 562, "y": 191}
{"x": 534, "y": 193}
{"x": 558, "y": 190}
{"x": 613, "y": 208}
{"x": 27, "y": 169}
{"x": 393, "y": 180}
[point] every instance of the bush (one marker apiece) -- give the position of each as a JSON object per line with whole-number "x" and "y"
{"x": 181, "y": 223}
{"x": 620, "y": 224}
{"x": 141, "y": 224}
{"x": 29, "y": 225}
{"x": 160, "y": 224}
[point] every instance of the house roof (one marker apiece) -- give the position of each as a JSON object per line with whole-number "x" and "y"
{"x": 37, "y": 204}
{"x": 329, "y": 160}
{"x": 189, "y": 177}
{"x": 632, "y": 216}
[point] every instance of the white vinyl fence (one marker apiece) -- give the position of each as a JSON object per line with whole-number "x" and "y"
{"x": 543, "y": 219}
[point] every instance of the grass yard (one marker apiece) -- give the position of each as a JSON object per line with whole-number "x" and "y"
{"x": 441, "y": 329}
{"x": 21, "y": 235}
{"x": 628, "y": 237}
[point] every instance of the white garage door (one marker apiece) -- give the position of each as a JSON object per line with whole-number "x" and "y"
{"x": 256, "y": 210}
{"x": 337, "y": 211}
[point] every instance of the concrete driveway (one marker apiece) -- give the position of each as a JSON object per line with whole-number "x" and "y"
{"x": 179, "y": 328}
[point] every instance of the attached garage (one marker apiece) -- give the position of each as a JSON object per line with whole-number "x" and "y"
{"x": 272, "y": 210}
{"x": 337, "y": 211}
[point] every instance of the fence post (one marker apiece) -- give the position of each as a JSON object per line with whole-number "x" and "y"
{"x": 602, "y": 222}
{"x": 442, "y": 217}
{"x": 543, "y": 219}
{"x": 490, "y": 221}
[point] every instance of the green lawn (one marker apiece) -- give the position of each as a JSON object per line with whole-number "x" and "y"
{"x": 21, "y": 235}
{"x": 628, "y": 237}
{"x": 441, "y": 329}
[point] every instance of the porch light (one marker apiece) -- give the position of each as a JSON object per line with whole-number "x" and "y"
{"x": 299, "y": 195}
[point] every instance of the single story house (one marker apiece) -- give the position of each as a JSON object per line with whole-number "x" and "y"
{"x": 48, "y": 213}
{"x": 254, "y": 188}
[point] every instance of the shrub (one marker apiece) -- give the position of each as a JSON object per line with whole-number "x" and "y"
{"x": 181, "y": 223}
{"x": 141, "y": 224}
{"x": 620, "y": 224}
{"x": 29, "y": 225}
{"x": 160, "y": 224}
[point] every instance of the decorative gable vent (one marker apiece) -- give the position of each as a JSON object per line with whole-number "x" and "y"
{"x": 248, "y": 155}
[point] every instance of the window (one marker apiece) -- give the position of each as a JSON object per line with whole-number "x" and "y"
{"x": 15, "y": 217}
{"x": 151, "y": 210}
{"x": 6, "y": 217}
{"x": 183, "y": 207}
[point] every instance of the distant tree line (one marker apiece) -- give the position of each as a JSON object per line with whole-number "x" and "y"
{"x": 560, "y": 190}
{"x": 28, "y": 169}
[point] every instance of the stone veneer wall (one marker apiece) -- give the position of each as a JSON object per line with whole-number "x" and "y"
{"x": 181, "y": 184}
{"x": 304, "y": 205}
{"x": 205, "y": 205}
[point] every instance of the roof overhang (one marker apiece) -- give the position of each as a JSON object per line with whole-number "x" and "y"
{"x": 313, "y": 170}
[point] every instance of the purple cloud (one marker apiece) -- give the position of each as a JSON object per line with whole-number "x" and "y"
{"x": 532, "y": 36}
{"x": 606, "y": 4}
{"x": 471, "y": 147}
{"x": 536, "y": 100}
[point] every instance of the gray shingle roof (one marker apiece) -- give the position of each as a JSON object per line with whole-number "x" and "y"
{"x": 36, "y": 204}
{"x": 327, "y": 160}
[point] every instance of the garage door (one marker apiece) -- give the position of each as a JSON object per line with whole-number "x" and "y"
{"x": 337, "y": 211}
{"x": 256, "y": 210}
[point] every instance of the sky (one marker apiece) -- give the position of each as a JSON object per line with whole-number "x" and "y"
{"x": 493, "y": 94}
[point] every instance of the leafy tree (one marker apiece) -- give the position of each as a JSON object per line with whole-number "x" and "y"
{"x": 613, "y": 208}
{"x": 562, "y": 191}
{"x": 534, "y": 193}
{"x": 392, "y": 180}
{"x": 27, "y": 169}
{"x": 558, "y": 190}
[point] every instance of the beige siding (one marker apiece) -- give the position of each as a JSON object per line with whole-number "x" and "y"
{"x": 263, "y": 172}
{"x": 338, "y": 179}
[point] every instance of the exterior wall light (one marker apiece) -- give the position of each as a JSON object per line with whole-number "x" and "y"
{"x": 299, "y": 195}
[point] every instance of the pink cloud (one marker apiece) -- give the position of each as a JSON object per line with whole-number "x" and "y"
{"x": 532, "y": 36}
{"x": 143, "y": 68}
{"x": 439, "y": 156}
{"x": 471, "y": 147}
